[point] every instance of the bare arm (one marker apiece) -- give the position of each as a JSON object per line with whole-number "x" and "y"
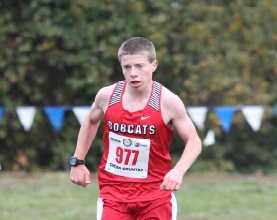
{"x": 187, "y": 132}
{"x": 80, "y": 175}
{"x": 88, "y": 131}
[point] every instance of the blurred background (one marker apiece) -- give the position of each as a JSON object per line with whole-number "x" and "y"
{"x": 219, "y": 56}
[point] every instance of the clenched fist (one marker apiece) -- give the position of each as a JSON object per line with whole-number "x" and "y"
{"x": 80, "y": 175}
{"x": 172, "y": 180}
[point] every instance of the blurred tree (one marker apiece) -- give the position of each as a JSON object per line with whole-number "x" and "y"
{"x": 57, "y": 52}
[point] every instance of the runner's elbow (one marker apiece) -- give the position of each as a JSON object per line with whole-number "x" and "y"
{"x": 198, "y": 145}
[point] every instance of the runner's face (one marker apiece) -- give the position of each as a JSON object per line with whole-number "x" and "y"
{"x": 137, "y": 70}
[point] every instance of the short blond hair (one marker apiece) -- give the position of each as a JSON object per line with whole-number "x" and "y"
{"x": 137, "y": 45}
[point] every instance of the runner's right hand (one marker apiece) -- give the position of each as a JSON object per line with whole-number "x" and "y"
{"x": 80, "y": 175}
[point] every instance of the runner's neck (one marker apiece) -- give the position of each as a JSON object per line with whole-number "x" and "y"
{"x": 139, "y": 93}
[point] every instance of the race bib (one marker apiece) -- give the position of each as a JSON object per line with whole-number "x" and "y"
{"x": 128, "y": 157}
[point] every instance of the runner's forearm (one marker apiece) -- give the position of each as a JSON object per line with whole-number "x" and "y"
{"x": 189, "y": 155}
{"x": 86, "y": 135}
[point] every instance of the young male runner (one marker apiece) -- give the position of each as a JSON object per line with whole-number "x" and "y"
{"x": 135, "y": 176}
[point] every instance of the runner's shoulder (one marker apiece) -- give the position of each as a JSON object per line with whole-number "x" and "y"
{"x": 106, "y": 91}
{"x": 103, "y": 95}
{"x": 169, "y": 98}
{"x": 171, "y": 102}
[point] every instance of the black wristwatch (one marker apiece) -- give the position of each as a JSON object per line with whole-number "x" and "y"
{"x": 74, "y": 161}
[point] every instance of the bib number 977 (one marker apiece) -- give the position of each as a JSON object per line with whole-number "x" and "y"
{"x": 126, "y": 156}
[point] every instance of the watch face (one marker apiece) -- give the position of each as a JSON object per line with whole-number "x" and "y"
{"x": 73, "y": 161}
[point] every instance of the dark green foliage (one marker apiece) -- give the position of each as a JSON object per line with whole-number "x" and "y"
{"x": 58, "y": 52}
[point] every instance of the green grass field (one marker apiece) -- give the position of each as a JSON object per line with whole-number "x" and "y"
{"x": 50, "y": 196}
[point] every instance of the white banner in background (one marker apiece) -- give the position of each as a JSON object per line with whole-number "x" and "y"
{"x": 253, "y": 115}
{"x": 26, "y": 115}
{"x": 81, "y": 112}
{"x": 198, "y": 115}
{"x": 209, "y": 139}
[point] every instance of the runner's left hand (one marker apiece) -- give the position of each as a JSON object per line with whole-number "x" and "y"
{"x": 172, "y": 180}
